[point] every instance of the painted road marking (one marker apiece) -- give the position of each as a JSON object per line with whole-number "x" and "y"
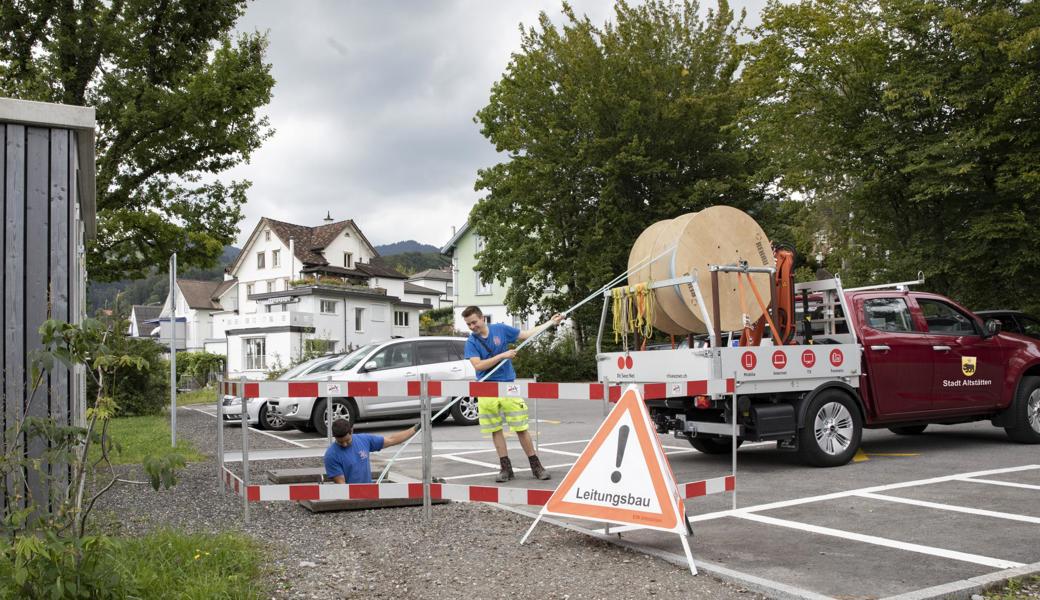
{"x": 1024, "y": 486}
{"x": 470, "y": 461}
{"x": 846, "y": 494}
{"x": 495, "y": 472}
{"x": 267, "y": 433}
{"x": 952, "y": 508}
{"x": 564, "y": 452}
{"x": 862, "y": 456}
{"x": 880, "y": 541}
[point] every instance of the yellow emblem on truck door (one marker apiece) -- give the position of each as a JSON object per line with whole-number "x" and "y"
{"x": 968, "y": 365}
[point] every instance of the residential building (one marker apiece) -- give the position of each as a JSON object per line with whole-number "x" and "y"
{"x": 143, "y": 319}
{"x": 470, "y": 289}
{"x": 295, "y": 290}
{"x": 436, "y": 279}
{"x": 197, "y": 303}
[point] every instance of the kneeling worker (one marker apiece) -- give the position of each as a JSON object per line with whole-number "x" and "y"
{"x": 487, "y": 346}
{"x": 347, "y": 459}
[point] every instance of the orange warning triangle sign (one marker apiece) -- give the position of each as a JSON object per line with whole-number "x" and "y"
{"x": 622, "y": 476}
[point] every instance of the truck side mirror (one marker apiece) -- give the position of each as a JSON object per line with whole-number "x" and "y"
{"x": 991, "y": 328}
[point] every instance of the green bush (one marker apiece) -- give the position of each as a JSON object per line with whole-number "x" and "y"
{"x": 137, "y": 391}
{"x": 199, "y": 366}
{"x": 164, "y": 564}
{"x": 555, "y": 359}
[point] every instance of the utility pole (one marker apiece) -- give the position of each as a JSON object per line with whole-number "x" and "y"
{"x": 173, "y": 351}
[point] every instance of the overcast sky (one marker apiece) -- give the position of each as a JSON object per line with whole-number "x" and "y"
{"x": 373, "y": 109}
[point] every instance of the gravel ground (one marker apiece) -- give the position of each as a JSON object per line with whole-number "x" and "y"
{"x": 469, "y": 550}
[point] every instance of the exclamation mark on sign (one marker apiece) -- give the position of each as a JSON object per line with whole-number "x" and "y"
{"x": 621, "y": 439}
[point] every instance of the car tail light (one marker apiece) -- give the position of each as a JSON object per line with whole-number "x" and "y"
{"x": 701, "y": 402}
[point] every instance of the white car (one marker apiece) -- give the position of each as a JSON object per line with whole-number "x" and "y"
{"x": 438, "y": 357}
{"x": 257, "y": 409}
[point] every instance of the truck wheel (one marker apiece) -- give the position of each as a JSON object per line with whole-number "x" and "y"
{"x": 832, "y": 431}
{"x": 713, "y": 445}
{"x": 1025, "y": 412}
{"x": 464, "y": 412}
{"x": 908, "y": 429}
{"x": 342, "y": 408}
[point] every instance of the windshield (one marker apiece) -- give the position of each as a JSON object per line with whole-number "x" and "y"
{"x": 318, "y": 364}
{"x": 354, "y": 358}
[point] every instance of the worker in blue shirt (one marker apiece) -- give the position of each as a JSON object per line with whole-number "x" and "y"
{"x": 347, "y": 459}
{"x": 487, "y": 346}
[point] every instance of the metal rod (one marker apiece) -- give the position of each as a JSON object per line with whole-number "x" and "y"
{"x": 602, "y": 324}
{"x": 524, "y": 539}
{"x": 328, "y": 421}
{"x": 734, "y": 441}
{"x": 173, "y": 351}
{"x": 885, "y": 286}
{"x": 740, "y": 269}
{"x": 696, "y": 285}
{"x": 220, "y": 439}
{"x": 427, "y": 457}
{"x": 245, "y": 462}
{"x": 537, "y": 429}
{"x": 716, "y": 318}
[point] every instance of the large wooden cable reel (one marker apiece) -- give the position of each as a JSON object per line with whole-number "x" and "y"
{"x": 719, "y": 235}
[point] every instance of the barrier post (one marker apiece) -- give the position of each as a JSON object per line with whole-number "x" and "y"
{"x": 606, "y": 396}
{"x": 245, "y": 460}
{"x": 733, "y": 399}
{"x": 537, "y": 432}
{"x": 427, "y": 447}
{"x": 328, "y": 421}
{"x": 220, "y": 439}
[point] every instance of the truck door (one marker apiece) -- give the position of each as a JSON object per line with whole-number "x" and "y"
{"x": 969, "y": 369}
{"x": 898, "y": 357}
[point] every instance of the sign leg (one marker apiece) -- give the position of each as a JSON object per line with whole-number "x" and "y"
{"x": 524, "y": 539}
{"x": 689, "y": 555}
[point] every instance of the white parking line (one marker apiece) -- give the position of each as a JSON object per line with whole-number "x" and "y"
{"x": 952, "y": 508}
{"x": 880, "y": 541}
{"x": 261, "y": 431}
{"x": 470, "y": 461}
{"x": 846, "y": 494}
{"x": 564, "y": 452}
{"x": 1024, "y": 486}
{"x": 495, "y": 472}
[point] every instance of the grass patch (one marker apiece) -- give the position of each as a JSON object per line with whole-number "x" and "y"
{"x": 207, "y": 395}
{"x": 167, "y": 564}
{"x": 137, "y": 437}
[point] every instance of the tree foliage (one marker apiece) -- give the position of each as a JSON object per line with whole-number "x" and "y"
{"x": 607, "y": 130}
{"x": 176, "y": 100}
{"x": 911, "y": 127}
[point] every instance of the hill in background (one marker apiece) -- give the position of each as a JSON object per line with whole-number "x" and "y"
{"x": 410, "y": 257}
{"x": 406, "y": 247}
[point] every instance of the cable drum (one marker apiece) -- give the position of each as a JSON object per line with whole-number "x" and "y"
{"x": 718, "y": 235}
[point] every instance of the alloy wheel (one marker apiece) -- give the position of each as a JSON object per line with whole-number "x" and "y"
{"x": 833, "y": 428}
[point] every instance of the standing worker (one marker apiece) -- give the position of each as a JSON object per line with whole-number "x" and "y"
{"x": 487, "y": 346}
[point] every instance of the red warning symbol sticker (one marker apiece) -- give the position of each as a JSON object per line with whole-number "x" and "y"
{"x": 748, "y": 361}
{"x": 779, "y": 360}
{"x": 808, "y": 359}
{"x": 837, "y": 357}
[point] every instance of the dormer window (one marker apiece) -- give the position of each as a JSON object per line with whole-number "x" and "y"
{"x": 267, "y": 235}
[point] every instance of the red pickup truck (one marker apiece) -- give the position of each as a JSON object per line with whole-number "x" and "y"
{"x": 902, "y": 360}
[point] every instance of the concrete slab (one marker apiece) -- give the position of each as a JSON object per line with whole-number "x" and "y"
{"x": 317, "y": 506}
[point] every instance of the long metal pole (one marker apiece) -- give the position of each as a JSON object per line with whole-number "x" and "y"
{"x": 595, "y": 294}
{"x": 173, "y": 350}
{"x": 245, "y": 460}
{"x": 220, "y": 440}
{"x": 733, "y": 399}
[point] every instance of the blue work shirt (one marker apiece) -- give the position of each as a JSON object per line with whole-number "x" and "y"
{"x": 499, "y": 337}
{"x": 352, "y": 462}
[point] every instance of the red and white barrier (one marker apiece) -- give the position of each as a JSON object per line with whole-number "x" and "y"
{"x": 438, "y": 491}
{"x": 516, "y": 389}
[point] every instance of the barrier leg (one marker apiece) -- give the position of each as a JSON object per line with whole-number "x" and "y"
{"x": 328, "y": 421}
{"x": 220, "y": 441}
{"x": 524, "y": 539}
{"x": 733, "y": 436}
{"x": 689, "y": 555}
{"x": 427, "y": 458}
{"x": 245, "y": 461}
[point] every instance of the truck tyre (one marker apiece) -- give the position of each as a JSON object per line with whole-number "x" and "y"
{"x": 713, "y": 445}
{"x": 1025, "y": 413}
{"x": 908, "y": 429}
{"x": 342, "y": 408}
{"x": 832, "y": 432}
{"x": 464, "y": 412}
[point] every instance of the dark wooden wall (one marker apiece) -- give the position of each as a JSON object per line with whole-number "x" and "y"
{"x": 42, "y": 279}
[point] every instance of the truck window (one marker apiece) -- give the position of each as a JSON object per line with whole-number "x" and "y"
{"x": 944, "y": 319}
{"x": 888, "y": 314}
{"x": 1030, "y": 326}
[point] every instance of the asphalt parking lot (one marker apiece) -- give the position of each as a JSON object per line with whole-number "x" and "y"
{"x": 911, "y": 513}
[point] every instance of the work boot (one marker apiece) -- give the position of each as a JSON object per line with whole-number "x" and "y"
{"x": 507, "y": 470}
{"x": 537, "y": 470}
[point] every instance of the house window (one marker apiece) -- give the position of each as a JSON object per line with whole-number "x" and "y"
{"x": 276, "y": 258}
{"x": 328, "y": 307}
{"x": 256, "y": 353}
{"x": 347, "y": 256}
{"x": 316, "y": 347}
{"x": 267, "y": 286}
{"x": 479, "y": 243}
{"x": 267, "y": 236}
{"x": 359, "y": 314}
{"x": 450, "y": 291}
{"x": 483, "y": 289}
{"x": 400, "y": 318}
{"x": 249, "y": 290}
{"x": 427, "y": 301}
{"x": 260, "y": 260}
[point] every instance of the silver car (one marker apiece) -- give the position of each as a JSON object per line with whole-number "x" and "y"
{"x": 258, "y": 410}
{"x": 438, "y": 357}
